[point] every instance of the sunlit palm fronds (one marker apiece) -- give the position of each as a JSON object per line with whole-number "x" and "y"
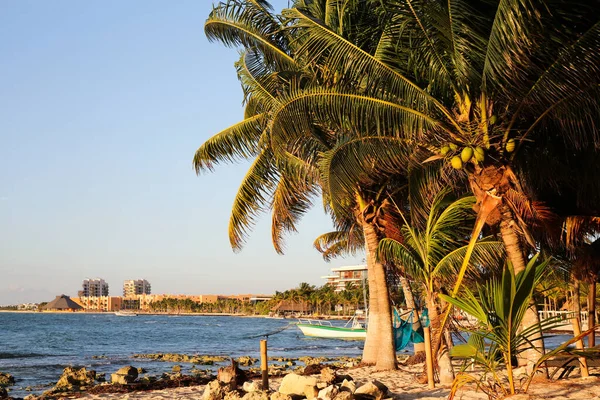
{"x": 239, "y": 141}
{"x": 253, "y": 198}
{"x": 249, "y": 24}
{"x": 340, "y": 243}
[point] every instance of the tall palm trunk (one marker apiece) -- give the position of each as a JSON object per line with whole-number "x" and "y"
{"x": 371, "y": 342}
{"x": 591, "y": 300}
{"x": 383, "y": 335}
{"x": 514, "y": 251}
{"x": 440, "y": 351}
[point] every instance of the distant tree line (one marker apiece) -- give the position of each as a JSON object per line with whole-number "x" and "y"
{"x": 322, "y": 300}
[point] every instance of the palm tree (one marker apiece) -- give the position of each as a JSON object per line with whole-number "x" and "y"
{"x": 432, "y": 252}
{"x": 502, "y": 96}
{"x": 284, "y": 180}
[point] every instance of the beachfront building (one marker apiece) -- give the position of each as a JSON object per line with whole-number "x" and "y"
{"x": 342, "y": 275}
{"x": 136, "y": 286}
{"x": 62, "y": 303}
{"x": 94, "y": 288}
{"x": 141, "y": 302}
{"x": 287, "y": 307}
{"x": 100, "y": 303}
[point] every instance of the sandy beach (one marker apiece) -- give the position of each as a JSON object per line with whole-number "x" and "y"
{"x": 403, "y": 385}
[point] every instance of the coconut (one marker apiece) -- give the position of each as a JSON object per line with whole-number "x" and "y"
{"x": 456, "y": 162}
{"x": 453, "y": 147}
{"x": 466, "y": 154}
{"x": 510, "y": 146}
{"x": 492, "y": 120}
{"x": 479, "y": 154}
{"x": 444, "y": 150}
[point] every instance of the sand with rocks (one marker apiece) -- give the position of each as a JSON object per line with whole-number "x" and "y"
{"x": 403, "y": 385}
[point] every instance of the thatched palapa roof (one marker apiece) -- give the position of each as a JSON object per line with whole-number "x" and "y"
{"x": 291, "y": 306}
{"x": 62, "y": 302}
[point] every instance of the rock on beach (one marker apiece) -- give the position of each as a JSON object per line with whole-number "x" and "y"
{"x": 125, "y": 375}
{"x": 6, "y": 379}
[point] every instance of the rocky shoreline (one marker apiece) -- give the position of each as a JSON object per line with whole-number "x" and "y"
{"x": 76, "y": 382}
{"x": 311, "y": 382}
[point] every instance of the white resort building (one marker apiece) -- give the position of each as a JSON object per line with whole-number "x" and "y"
{"x": 94, "y": 288}
{"x": 342, "y": 275}
{"x": 135, "y": 287}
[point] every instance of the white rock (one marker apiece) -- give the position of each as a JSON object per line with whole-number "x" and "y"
{"x": 251, "y": 386}
{"x": 213, "y": 391}
{"x": 258, "y": 395}
{"x": 294, "y": 384}
{"x": 328, "y": 393}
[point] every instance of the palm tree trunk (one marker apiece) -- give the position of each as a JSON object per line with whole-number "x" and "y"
{"x": 514, "y": 251}
{"x": 384, "y": 342}
{"x": 576, "y": 308}
{"x": 441, "y": 356}
{"x": 371, "y": 342}
{"x": 592, "y": 313}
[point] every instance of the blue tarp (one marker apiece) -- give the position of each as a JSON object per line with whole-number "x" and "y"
{"x": 403, "y": 329}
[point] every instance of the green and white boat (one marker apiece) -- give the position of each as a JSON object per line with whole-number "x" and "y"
{"x": 354, "y": 329}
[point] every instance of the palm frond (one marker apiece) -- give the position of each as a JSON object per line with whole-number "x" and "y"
{"x": 241, "y": 23}
{"x": 510, "y": 43}
{"x": 392, "y": 251}
{"x": 340, "y": 243}
{"x": 239, "y": 141}
{"x": 570, "y": 71}
{"x": 291, "y": 200}
{"x": 579, "y": 229}
{"x": 363, "y": 161}
{"x": 253, "y": 198}
{"x": 357, "y": 65}
{"x": 259, "y": 85}
{"x": 485, "y": 253}
{"x": 370, "y": 115}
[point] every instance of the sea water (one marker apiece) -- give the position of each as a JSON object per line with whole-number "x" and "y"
{"x": 36, "y": 347}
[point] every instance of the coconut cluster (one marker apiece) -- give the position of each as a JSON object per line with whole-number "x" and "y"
{"x": 476, "y": 154}
{"x": 467, "y": 154}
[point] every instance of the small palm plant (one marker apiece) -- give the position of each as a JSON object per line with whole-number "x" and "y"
{"x": 499, "y": 306}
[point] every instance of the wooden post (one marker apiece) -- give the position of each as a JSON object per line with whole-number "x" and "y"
{"x": 264, "y": 367}
{"x": 428, "y": 357}
{"x": 579, "y": 344}
{"x": 592, "y": 314}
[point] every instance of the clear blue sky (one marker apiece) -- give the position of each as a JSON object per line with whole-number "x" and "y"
{"x": 102, "y": 105}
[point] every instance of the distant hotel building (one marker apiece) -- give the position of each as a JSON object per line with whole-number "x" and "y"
{"x": 135, "y": 287}
{"x": 142, "y": 302}
{"x": 342, "y": 275}
{"x": 94, "y": 288}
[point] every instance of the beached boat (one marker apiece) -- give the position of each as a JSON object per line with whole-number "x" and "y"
{"x": 124, "y": 313}
{"x": 354, "y": 329}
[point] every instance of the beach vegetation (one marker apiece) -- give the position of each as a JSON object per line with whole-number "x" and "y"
{"x": 499, "y": 306}
{"x": 432, "y": 252}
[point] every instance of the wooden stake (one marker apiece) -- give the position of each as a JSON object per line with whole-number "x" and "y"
{"x": 428, "y": 357}
{"x": 579, "y": 344}
{"x": 264, "y": 367}
{"x": 592, "y": 314}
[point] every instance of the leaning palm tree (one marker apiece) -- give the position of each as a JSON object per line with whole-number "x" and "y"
{"x": 503, "y": 95}
{"x": 282, "y": 180}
